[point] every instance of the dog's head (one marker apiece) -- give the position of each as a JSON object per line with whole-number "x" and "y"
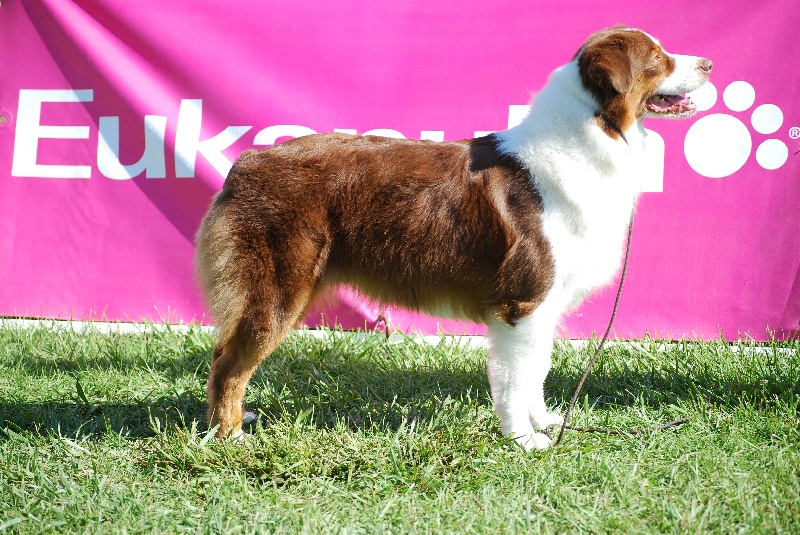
{"x": 631, "y": 76}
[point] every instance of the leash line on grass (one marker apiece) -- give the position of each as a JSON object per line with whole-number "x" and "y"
{"x": 662, "y": 427}
{"x": 565, "y": 425}
{"x": 605, "y": 336}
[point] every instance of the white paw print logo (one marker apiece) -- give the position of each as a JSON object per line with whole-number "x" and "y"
{"x": 719, "y": 144}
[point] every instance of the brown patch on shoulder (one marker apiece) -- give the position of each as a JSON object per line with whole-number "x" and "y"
{"x": 512, "y": 311}
{"x": 528, "y": 270}
{"x": 621, "y": 68}
{"x": 432, "y": 224}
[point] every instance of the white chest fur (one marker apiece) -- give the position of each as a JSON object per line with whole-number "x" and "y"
{"x": 587, "y": 181}
{"x": 587, "y": 245}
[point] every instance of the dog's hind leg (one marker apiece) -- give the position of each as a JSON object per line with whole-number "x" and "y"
{"x": 273, "y": 306}
{"x": 232, "y": 368}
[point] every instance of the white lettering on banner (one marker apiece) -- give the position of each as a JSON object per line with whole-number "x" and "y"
{"x": 271, "y": 134}
{"x": 29, "y": 131}
{"x": 152, "y": 161}
{"x": 652, "y": 169}
{"x": 385, "y": 132}
{"x": 188, "y": 144}
{"x": 516, "y": 113}
{"x": 432, "y": 135}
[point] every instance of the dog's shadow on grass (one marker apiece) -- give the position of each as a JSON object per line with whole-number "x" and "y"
{"x": 365, "y": 392}
{"x": 335, "y": 384}
{"x": 110, "y": 391}
{"x": 381, "y": 385}
{"x": 71, "y": 419}
{"x": 358, "y": 394}
{"x": 362, "y": 394}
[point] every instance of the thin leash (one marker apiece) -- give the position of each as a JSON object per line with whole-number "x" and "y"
{"x": 564, "y": 425}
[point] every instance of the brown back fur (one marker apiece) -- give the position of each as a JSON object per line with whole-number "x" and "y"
{"x": 408, "y": 222}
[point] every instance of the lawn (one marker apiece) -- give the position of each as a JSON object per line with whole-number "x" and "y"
{"x": 105, "y": 433}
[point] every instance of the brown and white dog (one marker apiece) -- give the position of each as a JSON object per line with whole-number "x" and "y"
{"x": 512, "y": 230}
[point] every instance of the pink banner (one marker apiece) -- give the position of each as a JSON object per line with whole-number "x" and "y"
{"x": 119, "y": 121}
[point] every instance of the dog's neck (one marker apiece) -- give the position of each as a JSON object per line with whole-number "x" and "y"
{"x": 568, "y": 154}
{"x": 565, "y": 115}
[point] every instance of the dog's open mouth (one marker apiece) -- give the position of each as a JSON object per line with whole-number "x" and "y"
{"x": 677, "y": 105}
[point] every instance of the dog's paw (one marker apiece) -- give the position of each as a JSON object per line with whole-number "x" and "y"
{"x": 237, "y": 437}
{"x": 541, "y": 422}
{"x": 534, "y": 441}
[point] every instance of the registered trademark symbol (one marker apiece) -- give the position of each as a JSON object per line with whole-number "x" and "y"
{"x": 794, "y": 132}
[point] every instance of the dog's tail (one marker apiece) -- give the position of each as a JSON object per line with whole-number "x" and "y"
{"x": 217, "y": 270}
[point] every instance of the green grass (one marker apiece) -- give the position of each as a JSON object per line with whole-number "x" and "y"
{"x": 105, "y": 433}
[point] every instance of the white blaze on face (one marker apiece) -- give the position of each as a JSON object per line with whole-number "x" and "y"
{"x": 687, "y": 76}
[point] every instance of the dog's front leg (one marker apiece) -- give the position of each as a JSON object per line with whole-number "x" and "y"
{"x": 519, "y": 361}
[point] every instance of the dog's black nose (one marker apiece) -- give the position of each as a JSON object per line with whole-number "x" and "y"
{"x": 706, "y": 64}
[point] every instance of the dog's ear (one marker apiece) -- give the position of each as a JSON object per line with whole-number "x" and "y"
{"x": 606, "y": 69}
{"x": 618, "y": 70}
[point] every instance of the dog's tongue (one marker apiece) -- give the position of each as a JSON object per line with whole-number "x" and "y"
{"x": 672, "y": 99}
{"x": 671, "y": 104}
